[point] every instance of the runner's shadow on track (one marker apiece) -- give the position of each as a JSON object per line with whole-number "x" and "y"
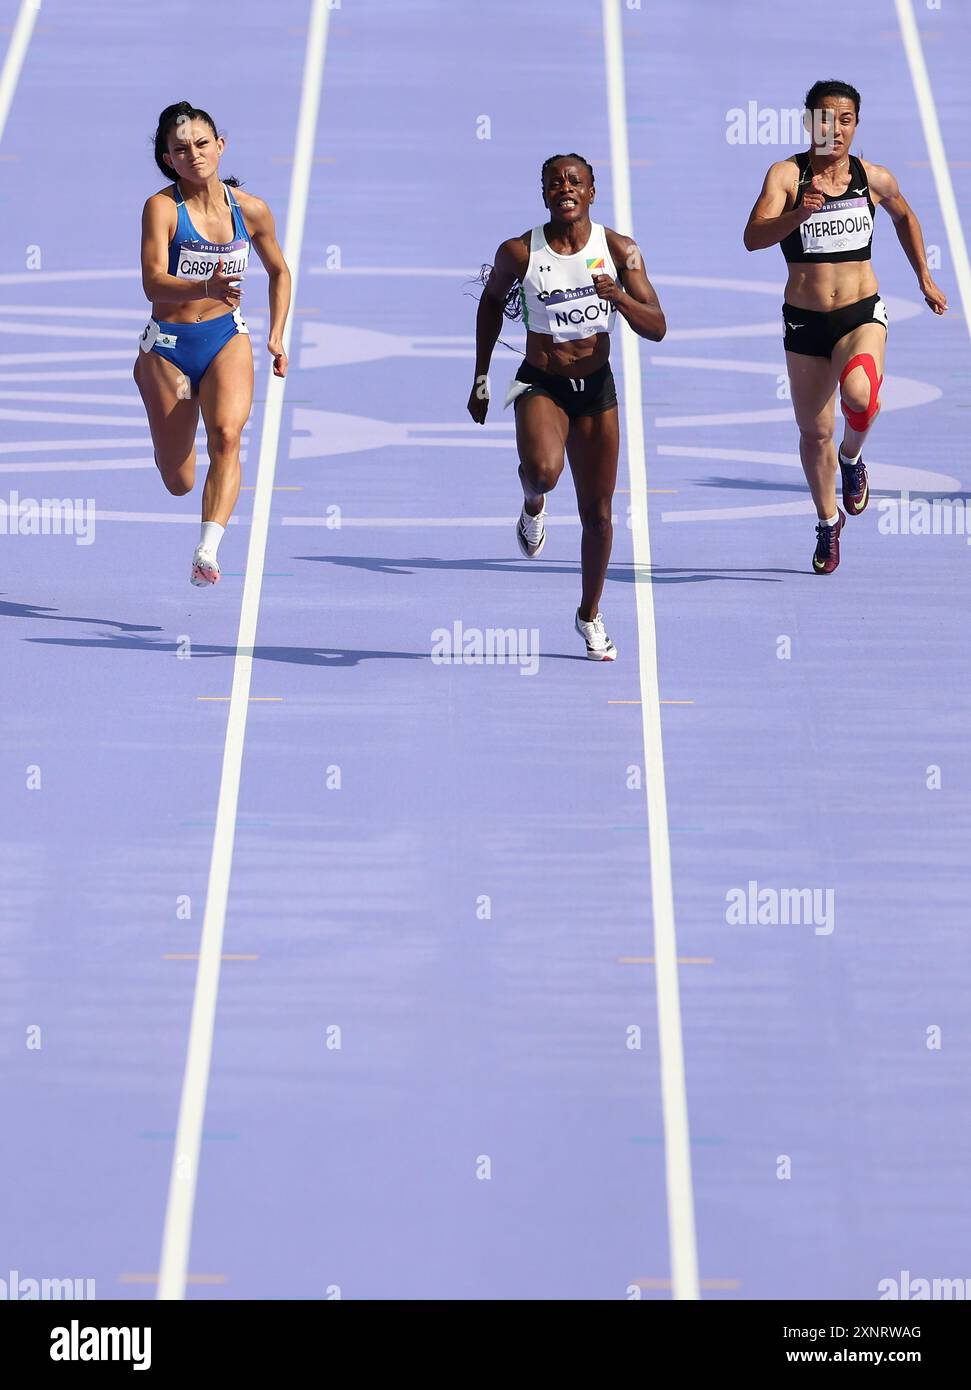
{"x": 753, "y": 485}
{"x": 380, "y": 565}
{"x": 620, "y": 574}
{"x": 761, "y": 485}
{"x": 693, "y": 576}
{"x": 30, "y": 610}
{"x": 293, "y": 656}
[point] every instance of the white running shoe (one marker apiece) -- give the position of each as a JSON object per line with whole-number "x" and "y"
{"x": 599, "y": 645}
{"x": 205, "y": 568}
{"x": 531, "y": 532}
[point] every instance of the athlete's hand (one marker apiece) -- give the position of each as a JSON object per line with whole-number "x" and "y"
{"x": 220, "y": 286}
{"x": 812, "y": 200}
{"x": 478, "y": 406}
{"x": 936, "y": 299}
{"x": 608, "y": 288}
{"x": 280, "y": 359}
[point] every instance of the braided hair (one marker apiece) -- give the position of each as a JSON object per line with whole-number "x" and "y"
{"x": 553, "y": 159}
{"x": 513, "y": 305}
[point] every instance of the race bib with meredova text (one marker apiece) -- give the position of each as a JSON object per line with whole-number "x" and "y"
{"x": 845, "y": 225}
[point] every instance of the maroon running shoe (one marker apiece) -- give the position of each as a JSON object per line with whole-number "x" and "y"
{"x": 856, "y": 489}
{"x": 827, "y": 555}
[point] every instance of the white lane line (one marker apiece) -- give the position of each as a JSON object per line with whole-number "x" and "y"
{"x": 935, "y": 149}
{"x": 53, "y": 277}
{"x": 747, "y": 513}
{"x": 177, "y": 1235}
{"x": 894, "y": 477}
{"x": 14, "y": 59}
{"x": 59, "y": 331}
{"x": 717, "y": 364}
{"x": 708, "y": 334}
{"x": 49, "y": 511}
{"x": 40, "y": 446}
{"x": 24, "y": 359}
{"x": 728, "y": 417}
{"x": 67, "y": 397}
{"x": 56, "y": 417}
{"x": 179, "y": 518}
{"x": 674, "y": 1099}
{"x": 75, "y": 466}
{"x": 43, "y": 446}
{"x": 114, "y": 374}
{"x": 59, "y": 311}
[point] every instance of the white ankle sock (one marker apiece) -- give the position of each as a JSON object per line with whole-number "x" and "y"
{"x": 849, "y": 458}
{"x": 212, "y": 534}
{"x": 831, "y": 520}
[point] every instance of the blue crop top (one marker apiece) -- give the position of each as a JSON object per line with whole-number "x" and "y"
{"x": 191, "y": 257}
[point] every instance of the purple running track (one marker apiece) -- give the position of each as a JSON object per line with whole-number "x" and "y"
{"x": 471, "y": 905}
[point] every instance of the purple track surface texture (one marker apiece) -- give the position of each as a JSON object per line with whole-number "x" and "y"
{"x": 465, "y": 1035}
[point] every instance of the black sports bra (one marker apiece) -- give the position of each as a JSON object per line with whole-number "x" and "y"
{"x": 842, "y": 230}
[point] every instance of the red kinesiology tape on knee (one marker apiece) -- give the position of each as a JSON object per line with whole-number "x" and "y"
{"x": 861, "y": 420}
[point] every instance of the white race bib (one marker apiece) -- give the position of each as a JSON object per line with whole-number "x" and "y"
{"x": 577, "y": 313}
{"x": 154, "y": 337}
{"x": 198, "y": 259}
{"x": 845, "y": 225}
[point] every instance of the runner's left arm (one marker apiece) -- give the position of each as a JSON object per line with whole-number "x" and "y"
{"x": 909, "y": 234}
{"x": 634, "y": 297}
{"x": 260, "y": 219}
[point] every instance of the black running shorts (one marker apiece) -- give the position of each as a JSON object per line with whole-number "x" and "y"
{"x": 814, "y": 333}
{"x": 585, "y": 395}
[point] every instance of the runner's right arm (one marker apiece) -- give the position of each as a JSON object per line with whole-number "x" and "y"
{"x": 768, "y": 222}
{"x": 511, "y": 262}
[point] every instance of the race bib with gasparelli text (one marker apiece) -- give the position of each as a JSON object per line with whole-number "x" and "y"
{"x": 198, "y": 259}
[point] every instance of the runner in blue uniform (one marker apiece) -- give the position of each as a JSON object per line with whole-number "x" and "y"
{"x": 195, "y": 351}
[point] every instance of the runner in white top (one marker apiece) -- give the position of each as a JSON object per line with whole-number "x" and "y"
{"x": 568, "y": 280}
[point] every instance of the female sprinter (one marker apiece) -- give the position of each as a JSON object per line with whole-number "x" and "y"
{"x": 568, "y": 280}
{"x": 195, "y": 351}
{"x": 819, "y": 205}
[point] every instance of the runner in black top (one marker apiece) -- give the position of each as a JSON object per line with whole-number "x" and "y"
{"x": 819, "y": 206}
